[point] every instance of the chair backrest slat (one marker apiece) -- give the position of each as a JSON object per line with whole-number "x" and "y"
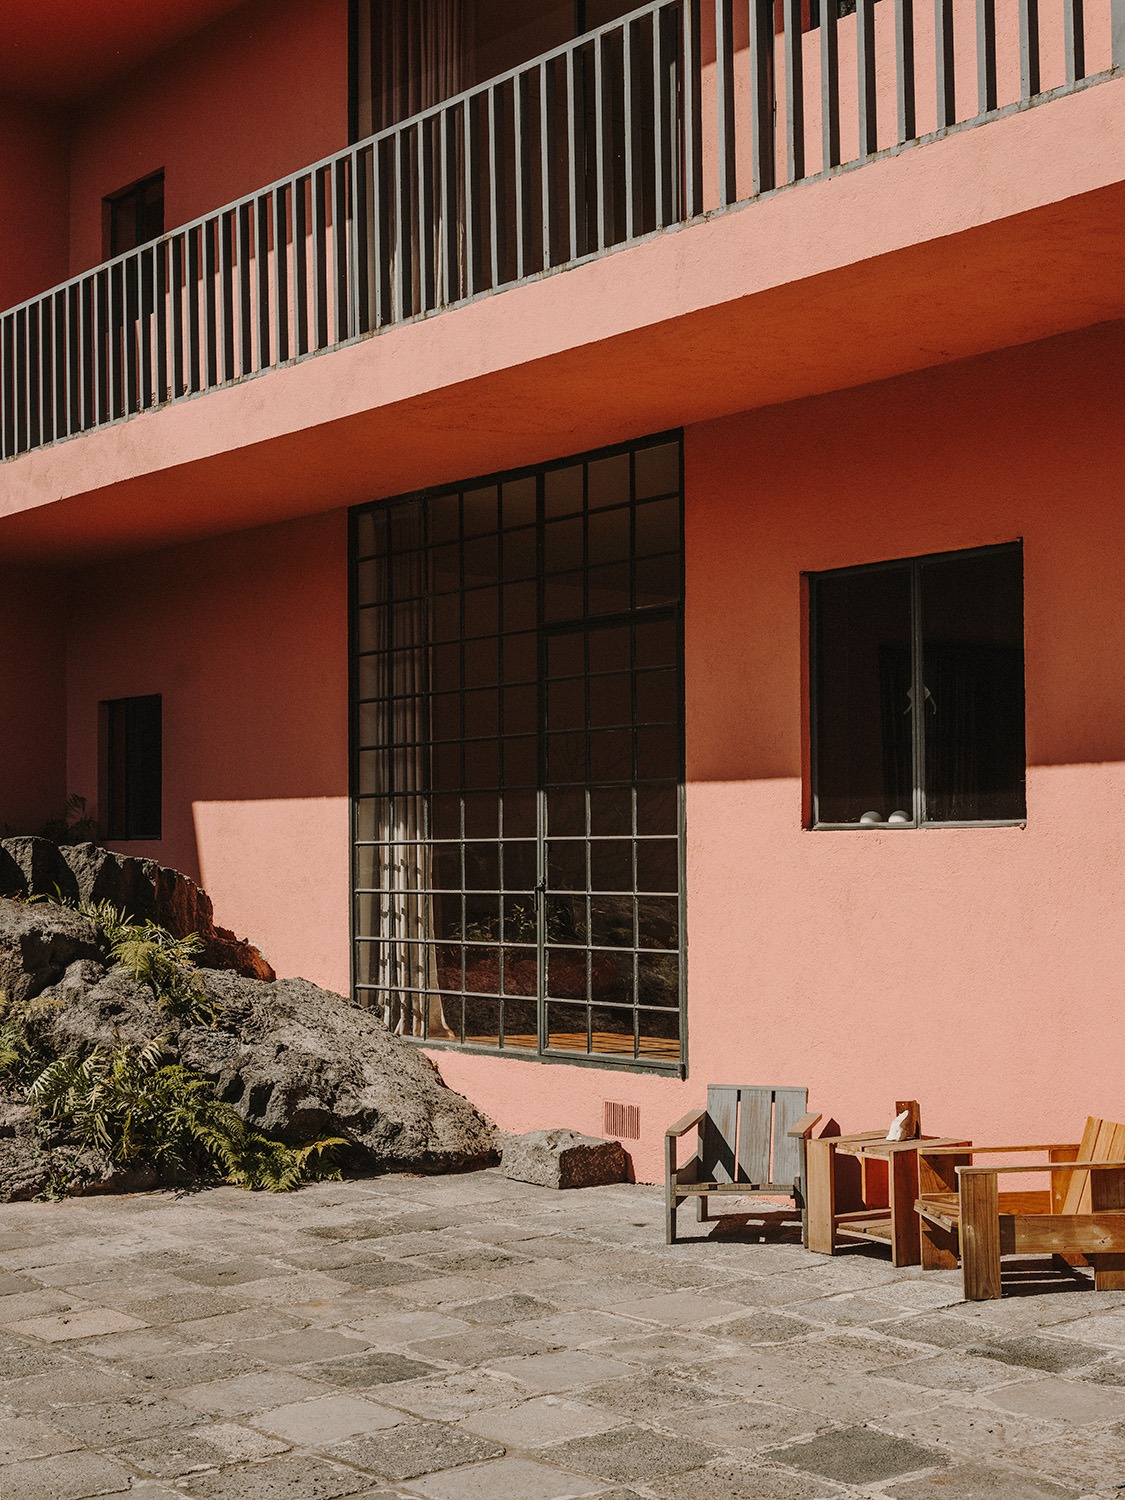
{"x": 745, "y": 1136}
{"x": 1102, "y": 1140}
{"x": 790, "y": 1106}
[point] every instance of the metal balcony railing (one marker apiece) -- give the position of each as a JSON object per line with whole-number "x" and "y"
{"x": 680, "y": 109}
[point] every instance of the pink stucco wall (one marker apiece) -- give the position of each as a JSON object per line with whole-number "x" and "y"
{"x": 254, "y": 95}
{"x": 245, "y": 639}
{"x": 977, "y": 970}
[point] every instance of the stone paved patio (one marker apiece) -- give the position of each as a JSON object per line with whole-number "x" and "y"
{"x": 470, "y": 1338}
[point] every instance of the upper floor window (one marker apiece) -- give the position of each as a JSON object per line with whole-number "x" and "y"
{"x": 131, "y": 767}
{"x": 134, "y": 215}
{"x": 918, "y": 692}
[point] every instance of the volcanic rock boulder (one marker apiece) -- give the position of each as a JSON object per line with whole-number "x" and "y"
{"x": 39, "y": 942}
{"x": 563, "y": 1159}
{"x": 142, "y": 889}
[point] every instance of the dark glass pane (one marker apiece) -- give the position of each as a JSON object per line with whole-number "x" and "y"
{"x": 658, "y": 580}
{"x": 445, "y": 766}
{"x": 609, "y": 536}
{"x": 520, "y": 918}
{"x": 521, "y": 705}
{"x": 611, "y": 810}
{"x": 482, "y": 713}
{"x": 611, "y": 649}
{"x": 519, "y": 502}
{"x": 521, "y": 975}
{"x": 611, "y": 755}
{"x": 482, "y": 867}
{"x": 609, "y": 589}
{"x": 445, "y": 568}
{"x": 521, "y": 549}
{"x": 447, "y": 919}
{"x": 563, "y": 597}
{"x": 862, "y": 696}
{"x": 566, "y": 812}
{"x": 562, "y": 490}
{"x": 521, "y": 605}
{"x": 658, "y": 527}
{"x": 658, "y": 470}
{"x": 445, "y": 816}
{"x": 611, "y": 921}
{"x": 444, "y": 517}
{"x": 445, "y": 667}
{"x": 611, "y": 865}
{"x": 566, "y": 758}
{"x": 482, "y": 611}
{"x": 480, "y": 510}
{"x": 611, "y": 700}
{"x": 482, "y": 815}
{"x": 566, "y": 865}
{"x": 566, "y": 1028}
{"x": 566, "y": 704}
{"x": 566, "y": 973}
{"x": 521, "y": 812}
{"x": 562, "y": 545}
{"x": 369, "y": 629}
{"x": 445, "y": 716}
{"x": 519, "y": 865}
{"x": 566, "y": 654}
{"x": 448, "y": 957}
{"x": 566, "y": 920}
{"x": 369, "y": 585}
{"x": 445, "y": 617}
{"x": 611, "y": 978}
{"x": 482, "y": 663}
{"x": 658, "y": 752}
{"x": 521, "y": 1017}
{"x": 482, "y": 1020}
{"x": 657, "y": 697}
{"x": 482, "y": 919}
{"x": 520, "y": 653}
{"x": 521, "y": 761}
{"x": 658, "y": 922}
{"x": 972, "y": 644}
{"x": 657, "y": 865}
{"x": 658, "y": 979}
{"x": 482, "y": 763}
{"x": 608, "y": 481}
{"x": 659, "y": 1034}
{"x": 656, "y": 643}
{"x": 482, "y": 560}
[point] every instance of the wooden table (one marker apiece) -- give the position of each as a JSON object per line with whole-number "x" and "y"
{"x": 894, "y": 1220}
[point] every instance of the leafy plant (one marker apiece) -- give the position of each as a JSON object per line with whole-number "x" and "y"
{"x": 20, "y": 1054}
{"x": 154, "y": 957}
{"x": 74, "y": 825}
{"x": 143, "y": 1112}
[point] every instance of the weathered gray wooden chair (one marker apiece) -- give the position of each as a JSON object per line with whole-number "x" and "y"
{"x": 751, "y": 1144}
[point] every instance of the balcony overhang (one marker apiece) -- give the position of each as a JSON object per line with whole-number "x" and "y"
{"x": 1000, "y": 235}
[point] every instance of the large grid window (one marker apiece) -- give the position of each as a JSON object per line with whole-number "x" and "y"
{"x": 518, "y": 759}
{"x": 918, "y": 691}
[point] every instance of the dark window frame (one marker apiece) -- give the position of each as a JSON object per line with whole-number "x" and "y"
{"x": 135, "y": 191}
{"x": 123, "y": 760}
{"x": 914, "y": 564}
{"x": 543, "y": 1054}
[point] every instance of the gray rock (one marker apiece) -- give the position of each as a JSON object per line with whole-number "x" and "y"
{"x": 38, "y": 943}
{"x": 298, "y": 1061}
{"x": 44, "y": 870}
{"x": 563, "y": 1159}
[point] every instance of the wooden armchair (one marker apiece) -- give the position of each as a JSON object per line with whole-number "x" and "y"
{"x": 1080, "y": 1218}
{"x": 751, "y": 1143}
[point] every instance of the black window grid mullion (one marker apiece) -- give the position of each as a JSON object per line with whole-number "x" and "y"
{"x": 917, "y": 697}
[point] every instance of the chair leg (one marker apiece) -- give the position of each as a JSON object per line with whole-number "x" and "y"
{"x": 671, "y": 1203}
{"x": 701, "y": 1215}
{"x": 980, "y": 1236}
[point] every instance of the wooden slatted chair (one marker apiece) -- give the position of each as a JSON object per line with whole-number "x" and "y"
{"x": 1079, "y": 1219}
{"x": 751, "y": 1143}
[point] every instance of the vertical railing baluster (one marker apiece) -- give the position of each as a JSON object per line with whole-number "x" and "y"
{"x": 194, "y": 268}
{"x": 179, "y": 277}
{"x": 519, "y": 147}
{"x": 83, "y": 346}
{"x": 795, "y": 89}
{"x": 44, "y": 369}
{"x": 23, "y": 402}
{"x": 161, "y": 382}
{"x": 663, "y": 120}
{"x": 130, "y": 298}
{"x": 66, "y": 419}
{"x": 450, "y": 290}
{"x": 547, "y": 116}
{"x": 227, "y": 320}
{"x": 281, "y": 269}
{"x": 1029, "y": 48}
{"x": 602, "y": 177}
{"x": 628, "y": 65}
{"x": 469, "y": 116}
{"x": 301, "y": 265}
{"x": 320, "y": 255}
{"x": 397, "y": 268}
{"x": 245, "y": 291}
{"x": 6, "y": 445}
{"x": 1074, "y": 40}
{"x": 572, "y": 150}
{"x": 945, "y": 77}
{"x": 865, "y": 76}
{"x": 830, "y": 83}
{"x": 114, "y": 322}
{"x": 262, "y": 249}
{"x": 100, "y": 311}
{"x": 724, "y": 99}
{"x": 430, "y": 244}
{"x": 762, "y": 147}
{"x": 146, "y": 269}
{"x": 693, "y": 111}
{"x": 212, "y": 230}
{"x": 341, "y": 236}
{"x": 986, "y": 56}
{"x": 905, "y": 81}
{"x": 496, "y": 191}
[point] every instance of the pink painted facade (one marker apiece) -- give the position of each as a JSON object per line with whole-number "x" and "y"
{"x": 918, "y": 355}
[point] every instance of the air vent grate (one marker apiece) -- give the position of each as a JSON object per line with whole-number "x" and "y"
{"x": 622, "y": 1121}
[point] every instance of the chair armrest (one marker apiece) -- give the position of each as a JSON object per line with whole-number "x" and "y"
{"x": 1048, "y": 1166}
{"x": 996, "y": 1151}
{"x": 804, "y": 1126}
{"x": 681, "y": 1127}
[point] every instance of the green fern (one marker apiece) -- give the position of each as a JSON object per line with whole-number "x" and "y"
{"x": 167, "y": 965}
{"x": 142, "y": 1112}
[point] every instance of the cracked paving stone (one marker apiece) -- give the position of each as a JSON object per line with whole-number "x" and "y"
{"x": 27, "y": 1437}
{"x": 327, "y": 1420}
{"x": 66, "y": 1476}
{"x": 505, "y": 1479}
{"x": 376, "y": 1367}
{"x": 118, "y": 1421}
{"x": 859, "y": 1455}
{"x": 422, "y": 1448}
{"x": 1038, "y": 1353}
{"x": 630, "y": 1453}
{"x": 736, "y": 1479}
{"x": 227, "y": 1273}
{"x": 978, "y": 1482}
{"x": 765, "y": 1328}
{"x": 174, "y": 1454}
{"x": 291, "y": 1478}
{"x": 368, "y": 1275}
{"x": 496, "y": 1311}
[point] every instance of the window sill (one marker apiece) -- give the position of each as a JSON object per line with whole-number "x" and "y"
{"x": 913, "y": 827}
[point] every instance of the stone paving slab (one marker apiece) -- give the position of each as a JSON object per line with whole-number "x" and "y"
{"x": 473, "y": 1338}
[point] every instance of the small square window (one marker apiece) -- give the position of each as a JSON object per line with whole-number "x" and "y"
{"x": 918, "y": 692}
{"x": 133, "y": 216}
{"x": 130, "y": 780}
